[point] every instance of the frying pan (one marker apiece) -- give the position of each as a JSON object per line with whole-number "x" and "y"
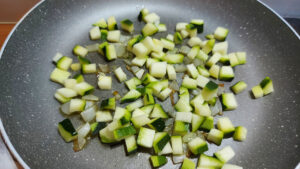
{"x": 30, "y": 113}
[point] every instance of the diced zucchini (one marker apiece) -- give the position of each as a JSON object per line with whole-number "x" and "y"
{"x": 103, "y": 34}
{"x": 61, "y": 98}
{"x": 160, "y": 141}
{"x": 188, "y": 164}
{"x": 132, "y": 83}
{"x": 199, "y": 24}
{"x": 70, "y": 83}
{"x": 139, "y": 61}
{"x": 240, "y": 133}
{"x": 158, "y": 69}
{"x": 106, "y": 135}
{"x": 225, "y": 59}
{"x": 224, "y": 124}
{"x": 113, "y": 36}
{"x": 171, "y": 72}
{"x": 194, "y": 41}
{"x": 96, "y": 127}
{"x": 158, "y": 45}
{"x": 83, "y": 88}
{"x": 173, "y": 58}
{"x": 112, "y": 23}
{"x": 158, "y": 55}
{"x": 104, "y": 82}
{"x": 134, "y": 105}
{"x": 75, "y": 66}
{"x": 151, "y": 18}
{"x": 225, "y": 154}
{"x": 207, "y": 161}
{"x": 140, "y": 121}
{"x": 180, "y": 128}
{"x": 59, "y": 75}
{"x": 212, "y": 102}
{"x": 166, "y": 150}
{"x": 197, "y": 100}
{"x": 164, "y": 94}
{"x": 149, "y": 29}
{"x": 127, "y": 25}
{"x": 103, "y": 116}
{"x": 202, "y": 55}
{"x": 140, "y": 50}
{"x": 233, "y": 60}
{"x": 79, "y": 78}
{"x": 147, "y": 109}
{"x": 95, "y": 33}
{"x": 148, "y": 99}
{"x": 131, "y": 145}
{"x": 197, "y": 121}
{"x": 157, "y": 124}
{"x": 148, "y": 43}
{"x": 80, "y": 51}
{"x": 202, "y": 81}
{"x": 221, "y": 33}
{"x": 213, "y": 60}
{"x": 241, "y": 56}
{"x": 191, "y": 28}
{"x": 67, "y": 130}
{"x": 257, "y": 91}
{"x": 131, "y": 96}
{"x": 64, "y": 63}
{"x": 138, "y": 112}
{"x": 150, "y": 61}
{"x": 181, "y": 26}
{"x": 89, "y": 68}
{"x": 108, "y": 104}
{"x": 192, "y": 71}
{"x": 231, "y": 166}
{"x": 193, "y": 52}
{"x": 167, "y": 44}
{"x": 142, "y": 14}
{"x": 134, "y": 41}
{"x": 74, "y": 105}
{"x": 148, "y": 79}
{"x": 210, "y": 91}
{"x": 146, "y": 137}
{"x": 101, "y": 48}
{"x": 228, "y": 101}
{"x": 124, "y": 132}
{"x": 184, "y": 116}
{"x": 267, "y": 86}
{"x": 66, "y": 92}
{"x": 215, "y": 136}
{"x": 221, "y": 48}
{"x": 203, "y": 71}
{"x": 89, "y": 114}
{"x": 177, "y": 38}
{"x": 56, "y": 57}
{"x": 158, "y": 112}
{"x": 184, "y": 33}
{"x": 207, "y": 48}
{"x": 110, "y": 52}
{"x": 189, "y": 83}
{"x": 121, "y": 112}
{"x": 226, "y": 73}
{"x": 158, "y": 161}
{"x": 183, "y": 104}
{"x": 120, "y": 74}
{"x": 208, "y": 124}
{"x": 209, "y": 36}
{"x": 202, "y": 109}
{"x": 176, "y": 142}
{"x": 162, "y": 27}
{"x": 239, "y": 87}
{"x": 197, "y": 146}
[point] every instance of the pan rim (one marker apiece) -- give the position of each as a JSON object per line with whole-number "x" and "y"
{"x": 7, "y": 141}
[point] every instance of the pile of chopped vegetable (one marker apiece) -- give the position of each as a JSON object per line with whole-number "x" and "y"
{"x": 159, "y": 66}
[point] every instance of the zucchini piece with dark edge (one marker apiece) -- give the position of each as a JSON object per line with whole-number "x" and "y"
{"x": 109, "y": 104}
{"x": 96, "y": 127}
{"x": 67, "y": 130}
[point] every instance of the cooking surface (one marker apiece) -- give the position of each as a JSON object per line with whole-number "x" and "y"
{"x": 30, "y": 113}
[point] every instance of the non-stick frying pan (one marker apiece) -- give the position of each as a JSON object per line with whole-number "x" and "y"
{"x": 30, "y": 113}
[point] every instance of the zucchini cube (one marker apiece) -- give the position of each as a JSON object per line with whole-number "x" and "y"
{"x": 158, "y": 161}
{"x": 225, "y": 125}
{"x": 160, "y": 141}
{"x": 215, "y": 136}
{"x": 180, "y": 128}
{"x": 188, "y": 164}
{"x": 197, "y": 146}
{"x": 228, "y": 101}
{"x": 146, "y": 137}
{"x": 240, "y": 133}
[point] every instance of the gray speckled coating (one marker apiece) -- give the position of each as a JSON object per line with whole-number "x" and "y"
{"x": 30, "y": 113}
